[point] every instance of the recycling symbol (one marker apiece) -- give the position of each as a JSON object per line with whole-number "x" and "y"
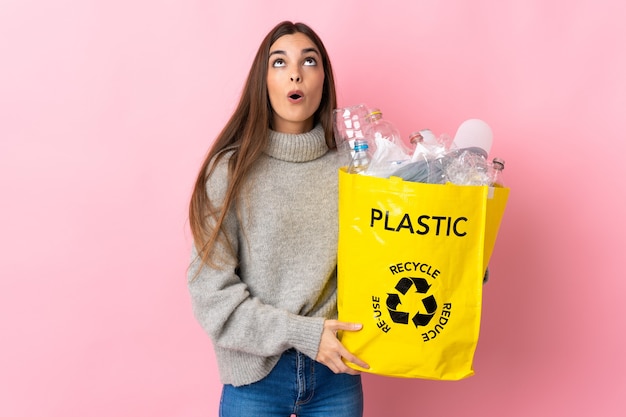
{"x": 421, "y": 317}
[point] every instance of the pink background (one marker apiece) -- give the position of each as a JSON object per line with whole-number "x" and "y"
{"x": 106, "y": 111}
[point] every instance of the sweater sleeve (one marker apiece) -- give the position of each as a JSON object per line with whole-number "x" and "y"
{"x": 225, "y": 308}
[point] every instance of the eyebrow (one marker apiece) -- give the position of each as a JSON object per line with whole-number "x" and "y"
{"x": 303, "y": 52}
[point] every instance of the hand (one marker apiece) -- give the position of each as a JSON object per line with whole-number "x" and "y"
{"x": 331, "y": 350}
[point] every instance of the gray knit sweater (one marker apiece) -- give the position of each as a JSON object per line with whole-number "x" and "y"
{"x": 286, "y": 239}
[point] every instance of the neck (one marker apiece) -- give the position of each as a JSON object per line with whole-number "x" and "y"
{"x": 285, "y": 126}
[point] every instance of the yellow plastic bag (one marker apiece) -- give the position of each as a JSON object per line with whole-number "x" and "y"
{"x": 410, "y": 266}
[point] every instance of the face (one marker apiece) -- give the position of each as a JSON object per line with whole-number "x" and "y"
{"x": 295, "y": 81}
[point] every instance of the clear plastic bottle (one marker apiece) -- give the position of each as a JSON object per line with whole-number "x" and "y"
{"x": 349, "y": 125}
{"x": 416, "y": 137}
{"x": 497, "y": 166}
{"x": 378, "y": 128}
{"x": 420, "y": 152}
{"x": 426, "y": 164}
{"x": 361, "y": 159}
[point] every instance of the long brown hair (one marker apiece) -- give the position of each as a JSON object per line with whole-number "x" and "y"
{"x": 245, "y": 137}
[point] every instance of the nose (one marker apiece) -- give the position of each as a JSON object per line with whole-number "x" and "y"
{"x": 295, "y": 78}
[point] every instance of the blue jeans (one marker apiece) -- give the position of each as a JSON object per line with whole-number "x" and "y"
{"x": 297, "y": 385}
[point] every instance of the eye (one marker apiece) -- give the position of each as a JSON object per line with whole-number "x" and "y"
{"x": 279, "y": 62}
{"x": 310, "y": 61}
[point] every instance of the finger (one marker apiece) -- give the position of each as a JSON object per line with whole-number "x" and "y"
{"x": 345, "y": 368}
{"x": 335, "y": 361}
{"x": 349, "y": 357}
{"x": 342, "y": 325}
{"x": 350, "y": 371}
{"x": 353, "y": 359}
{"x": 338, "y": 366}
{"x": 335, "y": 364}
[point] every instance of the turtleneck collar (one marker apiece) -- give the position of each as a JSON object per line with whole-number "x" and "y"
{"x": 301, "y": 147}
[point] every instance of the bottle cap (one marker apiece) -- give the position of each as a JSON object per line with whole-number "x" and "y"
{"x": 375, "y": 114}
{"x": 416, "y": 137}
{"x": 498, "y": 163}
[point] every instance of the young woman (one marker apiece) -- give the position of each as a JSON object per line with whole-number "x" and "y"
{"x": 264, "y": 220}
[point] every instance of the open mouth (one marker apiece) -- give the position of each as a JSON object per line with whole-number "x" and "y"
{"x": 295, "y": 96}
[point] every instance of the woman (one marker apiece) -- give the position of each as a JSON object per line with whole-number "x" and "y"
{"x": 264, "y": 220}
